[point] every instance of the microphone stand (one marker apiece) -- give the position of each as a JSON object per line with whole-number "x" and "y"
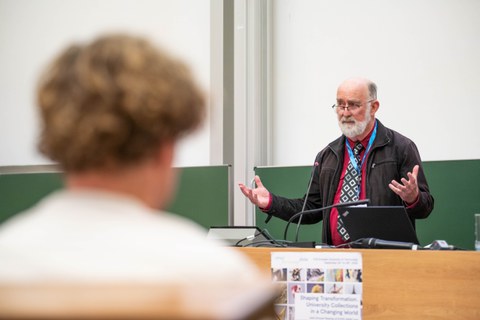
{"x": 315, "y": 165}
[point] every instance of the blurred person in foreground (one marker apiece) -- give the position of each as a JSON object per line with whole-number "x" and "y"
{"x": 368, "y": 161}
{"x": 111, "y": 113}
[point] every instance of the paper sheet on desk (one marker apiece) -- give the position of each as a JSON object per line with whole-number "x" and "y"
{"x": 318, "y": 285}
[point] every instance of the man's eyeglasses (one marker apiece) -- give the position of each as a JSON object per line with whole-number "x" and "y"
{"x": 349, "y": 106}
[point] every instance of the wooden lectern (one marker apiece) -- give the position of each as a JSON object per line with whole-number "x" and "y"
{"x": 404, "y": 284}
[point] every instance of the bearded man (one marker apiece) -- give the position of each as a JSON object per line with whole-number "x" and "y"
{"x": 369, "y": 161}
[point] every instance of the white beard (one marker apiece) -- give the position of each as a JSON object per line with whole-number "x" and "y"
{"x": 357, "y": 128}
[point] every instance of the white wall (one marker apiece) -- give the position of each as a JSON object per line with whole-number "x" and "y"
{"x": 31, "y": 32}
{"x": 424, "y": 56}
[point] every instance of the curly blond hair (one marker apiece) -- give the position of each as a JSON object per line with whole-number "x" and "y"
{"x": 114, "y": 102}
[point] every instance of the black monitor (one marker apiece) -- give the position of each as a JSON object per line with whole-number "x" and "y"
{"x": 381, "y": 222}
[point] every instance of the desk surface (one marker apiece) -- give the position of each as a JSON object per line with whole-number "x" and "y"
{"x": 404, "y": 284}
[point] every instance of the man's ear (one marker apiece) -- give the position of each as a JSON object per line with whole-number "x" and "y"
{"x": 375, "y": 106}
{"x": 165, "y": 154}
{"x": 164, "y": 175}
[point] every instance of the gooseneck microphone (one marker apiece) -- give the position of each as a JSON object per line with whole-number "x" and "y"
{"x": 314, "y": 167}
{"x": 268, "y": 218}
{"x": 312, "y": 211}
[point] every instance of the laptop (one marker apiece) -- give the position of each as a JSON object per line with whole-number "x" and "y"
{"x": 245, "y": 236}
{"x": 381, "y": 222}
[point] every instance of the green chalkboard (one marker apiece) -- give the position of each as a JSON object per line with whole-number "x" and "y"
{"x": 453, "y": 184}
{"x": 202, "y": 193}
{"x": 19, "y": 191}
{"x": 290, "y": 182}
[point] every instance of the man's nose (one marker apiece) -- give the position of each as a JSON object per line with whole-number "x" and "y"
{"x": 347, "y": 111}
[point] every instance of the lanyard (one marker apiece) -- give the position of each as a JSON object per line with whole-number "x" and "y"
{"x": 353, "y": 160}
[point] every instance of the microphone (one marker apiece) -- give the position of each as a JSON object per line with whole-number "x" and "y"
{"x": 386, "y": 244}
{"x": 337, "y": 205}
{"x": 315, "y": 165}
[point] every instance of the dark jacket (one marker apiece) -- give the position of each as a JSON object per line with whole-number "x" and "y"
{"x": 392, "y": 155}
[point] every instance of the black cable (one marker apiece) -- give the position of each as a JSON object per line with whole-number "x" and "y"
{"x": 258, "y": 243}
{"x": 237, "y": 244}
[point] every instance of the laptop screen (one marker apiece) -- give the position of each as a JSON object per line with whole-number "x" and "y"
{"x": 380, "y": 222}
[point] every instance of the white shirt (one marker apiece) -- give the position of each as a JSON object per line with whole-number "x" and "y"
{"x": 99, "y": 236}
